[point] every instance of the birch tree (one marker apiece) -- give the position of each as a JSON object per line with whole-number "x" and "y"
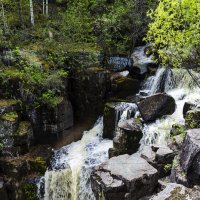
{"x": 31, "y": 13}
{"x": 47, "y": 8}
{"x": 3, "y": 15}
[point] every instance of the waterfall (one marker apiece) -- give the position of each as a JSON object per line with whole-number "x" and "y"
{"x": 69, "y": 176}
{"x": 180, "y": 85}
{"x": 163, "y": 81}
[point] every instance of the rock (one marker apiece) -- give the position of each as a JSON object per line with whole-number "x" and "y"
{"x": 176, "y": 142}
{"x": 89, "y": 90}
{"x": 112, "y": 113}
{"x": 124, "y": 177}
{"x": 187, "y": 107}
{"x": 177, "y": 130}
{"x": 192, "y": 119}
{"x": 128, "y": 137}
{"x": 190, "y": 156}
{"x": 50, "y": 122}
{"x": 156, "y": 106}
{"x": 160, "y": 157}
{"x": 177, "y": 191}
{"x": 3, "y": 192}
{"x": 24, "y": 135}
{"x": 9, "y": 123}
{"x": 178, "y": 175}
{"x": 119, "y": 63}
{"x": 116, "y": 75}
{"x": 125, "y": 86}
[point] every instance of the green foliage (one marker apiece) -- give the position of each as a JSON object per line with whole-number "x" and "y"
{"x": 11, "y": 116}
{"x": 174, "y": 32}
{"x": 43, "y": 85}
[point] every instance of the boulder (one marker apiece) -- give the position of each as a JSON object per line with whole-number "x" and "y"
{"x": 190, "y": 156}
{"x": 111, "y": 117}
{"x": 90, "y": 88}
{"x": 187, "y": 107}
{"x": 160, "y": 157}
{"x": 125, "y": 86}
{"x": 124, "y": 177}
{"x": 156, "y": 106}
{"x": 50, "y": 122}
{"x": 127, "y": 138}
{"x": 192, "y": 119}
{"x": 177, "y": 191}
{"x": 119, "y": 63}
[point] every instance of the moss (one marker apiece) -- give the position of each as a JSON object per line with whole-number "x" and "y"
{"x": 23, "y": 128}
{"x": 38, "y": 165}
{"x": 29, "y": 191}
{"x": 95, "y": 69}
{"x": 11, "y": 116}
{"x": 7, "y": 102}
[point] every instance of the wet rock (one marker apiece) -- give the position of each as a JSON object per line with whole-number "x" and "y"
{"x": 125, "y": 86}
{"x": 160, "y": 157}
{"x": 178, "y": 174}
{"x": 156, "y": 106}
{"x": 110, "y": 119}
{"x": 177, "y": 191}
{"x": 177, "y": 129}
{"x": 124, "y": 177}
{"x": 192, "y": 119}
{"x": 89, "y": 90}
{"x": 190, "y": 156}
{"x": 50, "y": 122}
{"x": 112, "y": 113}
{"x": 128, "y": 137}
{"x": 187, "y": 107}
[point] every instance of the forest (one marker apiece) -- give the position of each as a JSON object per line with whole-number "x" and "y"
{"x": 99, "y": 99}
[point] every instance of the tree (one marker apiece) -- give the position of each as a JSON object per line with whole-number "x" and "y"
{"x": 175, "y": 32}
{"x": 31, "y": 13}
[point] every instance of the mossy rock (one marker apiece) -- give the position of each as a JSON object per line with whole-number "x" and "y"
{"x": 125, "y": 86}
{"x": 192, "y": 119}
{"x": 9, "y": 105}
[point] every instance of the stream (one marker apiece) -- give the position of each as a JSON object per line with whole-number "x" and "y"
{"x": 69, "y": 175}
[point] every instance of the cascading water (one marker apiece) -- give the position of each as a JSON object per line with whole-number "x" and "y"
{"x": 69, "y": 177}
{"x": 180, "y": 85}
{"x": 72, "y": 165}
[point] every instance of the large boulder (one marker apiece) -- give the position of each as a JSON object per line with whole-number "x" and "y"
{"x": 90, "y": 87}
{"x": 190, "y": 156}
{"x": 50, "y": 122}
{"x": 124, "y": 177}
{"x": 177, "y": 191}
{"x": 192, "y": 119}
{"x": 125, "y": 86}
{"x": 128, "y": 137}
{"x": 156, "y": 106}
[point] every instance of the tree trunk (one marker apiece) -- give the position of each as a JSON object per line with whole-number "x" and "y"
{"x": 47, "y": 8}
{"x": 31, "y": 13}
{"x": 3, "y": 15}
{"x": 43, "y": 7}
